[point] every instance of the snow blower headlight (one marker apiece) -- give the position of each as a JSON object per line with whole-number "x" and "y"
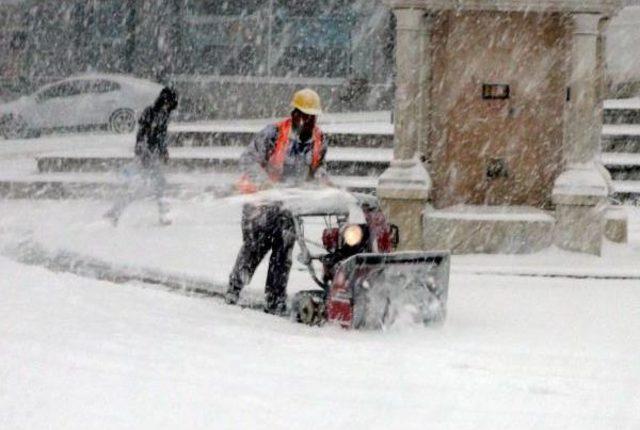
{"x": 352, "y": 235}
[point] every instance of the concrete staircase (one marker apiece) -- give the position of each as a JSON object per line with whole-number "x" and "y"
{"x": 204, "y": 158}
{"x": 621, "y": 147}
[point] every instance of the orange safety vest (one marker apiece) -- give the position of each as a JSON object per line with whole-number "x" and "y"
{"x": 275, "y": 164}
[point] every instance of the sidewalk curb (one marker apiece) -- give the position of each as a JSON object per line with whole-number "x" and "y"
{"x": 547, "y": 273}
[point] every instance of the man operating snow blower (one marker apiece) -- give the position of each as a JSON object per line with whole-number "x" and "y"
{"x": 288, "y": 153}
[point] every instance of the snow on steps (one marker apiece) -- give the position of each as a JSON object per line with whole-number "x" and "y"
{"x": 354, "y": 168}
{"x": 340, "y": 161}
{"x": 632, "y": 103}
{"x": 622, "y": 111}
{"x": 109, "y": 185}
{"x": 622, "y": 166}
{"x": 621, "y": 138}
{"x": 354, "y": 129}
{"x": 355, "y": 162}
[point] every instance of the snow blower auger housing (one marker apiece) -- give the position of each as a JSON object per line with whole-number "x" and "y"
{"x": 374, "y": 290}
{"x": 363, "y": 282}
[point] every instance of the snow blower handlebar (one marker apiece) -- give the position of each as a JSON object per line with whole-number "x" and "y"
{"x": 305, "y": 256}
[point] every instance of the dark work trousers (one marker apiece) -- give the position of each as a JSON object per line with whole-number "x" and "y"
{"x": 265, "y": 228}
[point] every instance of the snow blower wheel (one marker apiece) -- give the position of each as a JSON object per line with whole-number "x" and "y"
{"x": 310, "y": 307}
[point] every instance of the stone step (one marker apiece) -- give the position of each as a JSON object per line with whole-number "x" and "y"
{"x": 621, "y": 138}
{"x": 630, "y": 115}
{"x": 355, "y": 130}
{"x": 188, "y": 185}
{"x": 624, "y": 173}
{"x": 616, "y": 137}
{"x": 109, "y": 186}
{"x": 628, "y": 144}
{"x": 622, "y": 166}
{"x": 622, "y": 111}
{"x": 335, "y": 140}
{"x": 217, "y": 164}
{"x": 610, "y": 143}
{"x": 626, "y": 191}
{"x": 622, "y": 116}
{"x": 340, "y": 161}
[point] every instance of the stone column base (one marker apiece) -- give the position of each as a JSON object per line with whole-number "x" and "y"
{"x": 407, "y": 215}
{"x": 579, "y": 228}
{"x": 580, "y": 194}
{"x": 615, "y": 227}
{"x": 403, "y": 191}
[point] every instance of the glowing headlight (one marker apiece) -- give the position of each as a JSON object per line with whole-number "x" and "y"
{"x": 352, "y": 235}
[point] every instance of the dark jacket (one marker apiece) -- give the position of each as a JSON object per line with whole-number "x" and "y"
{"x": 151, "y": 140}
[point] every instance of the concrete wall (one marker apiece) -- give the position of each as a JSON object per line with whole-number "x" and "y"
{"x": 524, "y": 133}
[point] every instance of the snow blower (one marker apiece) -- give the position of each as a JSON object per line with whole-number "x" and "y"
{"x": 362, "y": 282}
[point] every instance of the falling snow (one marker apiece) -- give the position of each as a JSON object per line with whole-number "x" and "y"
{"x": 105, "y": 326}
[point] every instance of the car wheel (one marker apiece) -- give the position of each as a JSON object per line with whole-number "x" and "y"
{"x": 122, "y": 121}
{"x": 15, "y": 128}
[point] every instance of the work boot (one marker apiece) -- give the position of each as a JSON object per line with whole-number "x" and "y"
{"x": 277, "y": 306}
{"x": 232, "y": 296}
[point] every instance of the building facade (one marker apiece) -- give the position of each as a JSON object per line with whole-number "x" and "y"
{"x": 229, "y": 58}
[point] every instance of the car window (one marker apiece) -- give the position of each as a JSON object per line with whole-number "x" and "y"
{"x": 65, "y": 89}
{"x": 103, "y": 86}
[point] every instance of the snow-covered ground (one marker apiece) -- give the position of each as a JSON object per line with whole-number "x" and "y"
{"x": 538, "y": 354}
{"x": 515, "y": 352}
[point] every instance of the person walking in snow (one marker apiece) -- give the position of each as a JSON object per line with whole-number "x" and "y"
{"x": 288, "y": 153}
{"x": 146, "y": 176}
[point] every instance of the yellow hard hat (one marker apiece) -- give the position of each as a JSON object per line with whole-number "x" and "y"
{"x": 307, "y": 101}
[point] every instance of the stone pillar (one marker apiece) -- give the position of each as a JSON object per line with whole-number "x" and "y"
{"x": 403, "y": 189}
{"x": 601, "y": 69}
{"x": 424, "y": 90}
{"x": 580, "y": 192}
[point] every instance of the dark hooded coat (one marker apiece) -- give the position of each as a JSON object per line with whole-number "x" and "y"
{"x": 151, "y": 140}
